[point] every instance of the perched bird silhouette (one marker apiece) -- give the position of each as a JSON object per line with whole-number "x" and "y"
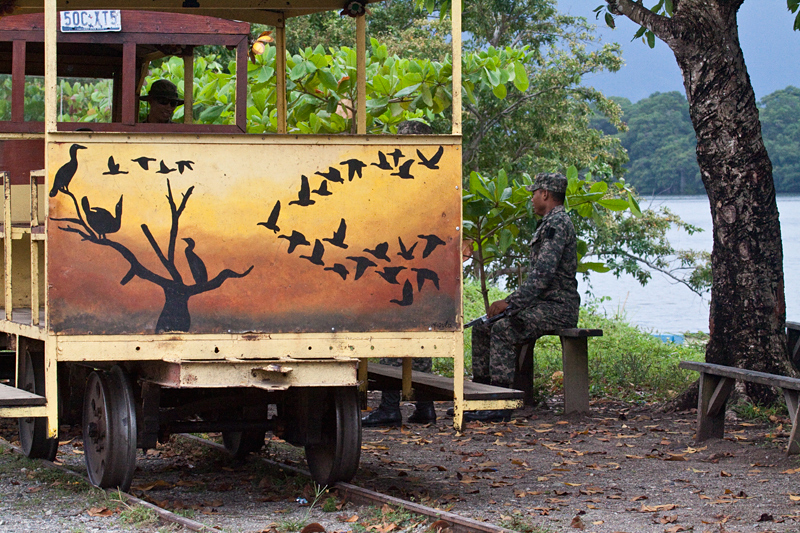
{"x": 406, "y": 253}
{"x": 433, "y": 162}
{"x": 396, "y": 155}
{"x": 144, "y": 162}
{"x": 338, "y": 236}
{"x": 323, "y": 189}
{"x": 354, "y": 166}
{"x": 404, "y": 168}
{"x": 384, "y": 164}
{"x": 333, "y": 175}
{"x": 390, "y": 274}
{"x": 432, "y": 242}
{"x": 304, "y": 195}
{"x": 408, "y": 295}
{"x": 380, "y": 251}
{"x": 272, "y": 221}
{"x": 196, "y": 265}
{"x": 423, "y": 274}
{"x": 113, "y": 168}
{"x": 100, "y": 220}
{"x": 362, "y": 263}
{"x": 295, "y": 239}
{"x": 67, "y": 171}
{"x": 316, "y": 255}
{"x": 183, "y": 165}
{"x": 165, "y": 169}
{"x": 339, "y": 269}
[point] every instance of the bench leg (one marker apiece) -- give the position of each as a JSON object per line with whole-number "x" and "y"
{"x": 793, "y": 406}
{"x": 712, "y": 397}
{"x": 575, "y": 363}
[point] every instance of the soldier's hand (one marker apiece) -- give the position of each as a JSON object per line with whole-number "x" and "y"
{"x": 497, "y": 307}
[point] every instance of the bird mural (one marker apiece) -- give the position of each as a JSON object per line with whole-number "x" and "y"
{"x": 295, "y": 239}
{"x": 183, "y": 165}
{"x": 403, "y": 172}
{"x": 144, "y": 162}
{"x": 333, "y": 175}
{"x": 380, "y": 251}
{"x": 113, "y": 168}
{"x": 196, "y": 265}
{"x": 67, "y": 171}
{"x": 406, "y": 253}
{"x": 396, "y": 155}
{"x": 339, "y": 269}
{"x": 362, "y": 264}
{"x": 408, "y": 295}
{"x": 433, "y": 162}
{"x": 432, "y": 241}
{"x": 425, "y": 274}
{"x": 272, "y": 221}
{"x": 304, "y": 194}
{"x": 390, "y": 274}
{"x": 383, "y": 164}
{"x": 323, "y": 189}
{"x": 316, "y": 254}
{"x": 354, "y": 167}
{"x": 100, "y": 220}
{"x": 164, "y": 169}
{"x": 338, "y": 236}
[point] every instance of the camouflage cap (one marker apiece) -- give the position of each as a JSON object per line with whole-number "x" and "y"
{"x": 549, "y": 181}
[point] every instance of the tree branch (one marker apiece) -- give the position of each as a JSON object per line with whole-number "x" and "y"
{"x": 652, "y": 266}
{"x": 218, "y": 280}
{"x": 660, "y": 25}
{"x": 169, "y": 265}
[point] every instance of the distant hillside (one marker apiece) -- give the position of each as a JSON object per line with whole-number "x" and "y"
{"x": 661, "y": 144}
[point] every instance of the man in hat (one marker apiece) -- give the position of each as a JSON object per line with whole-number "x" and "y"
{"x": 163, "y": 99}
{"x": 548, "y": 298}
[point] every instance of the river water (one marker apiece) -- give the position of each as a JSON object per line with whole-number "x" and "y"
{"x": 664, "y": 306}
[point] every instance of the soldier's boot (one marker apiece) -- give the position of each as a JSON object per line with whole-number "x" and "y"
{"x": 388, "y": 412}
{"x": 424, "y": 413}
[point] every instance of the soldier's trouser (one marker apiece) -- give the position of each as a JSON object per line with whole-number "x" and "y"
{"x": 494, "y": 346}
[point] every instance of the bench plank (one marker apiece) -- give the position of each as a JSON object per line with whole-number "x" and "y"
{"x": 576, "y": 332}
{"x": 762, "y": 378}
{"x": 14, "y": 397}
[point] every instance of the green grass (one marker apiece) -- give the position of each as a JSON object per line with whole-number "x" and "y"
{"x": 767, "y": 414}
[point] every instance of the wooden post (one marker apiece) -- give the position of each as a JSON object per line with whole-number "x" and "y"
{"x": 575, "y": 361}
{"x": 361, "y": 75}
{"x": 8, "y": 237}
{"x": 407, "y": 377}
{"x": 455, "y": 15}
{"x": 363, "y": 381}
{"x": 18, "y": 82}
{"x": 188, "y": 89}
{"x": 711, "y": 400}
{"x": 130, "y": 111}
{"x": 241, "y": 85}
{"x": 280, "y": 75}
{"x": 50, "y": 71}
{"x": 35, "y": 247}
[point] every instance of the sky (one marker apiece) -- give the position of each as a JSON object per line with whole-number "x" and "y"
{"x": 770, "y": 46}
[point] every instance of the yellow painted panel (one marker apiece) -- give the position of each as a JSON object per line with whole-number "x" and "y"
{"x": 374, "y": 234}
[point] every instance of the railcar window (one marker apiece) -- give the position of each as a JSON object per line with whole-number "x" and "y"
{"x": 5, "y": 97}
{"x": 85, "y": 99}
{"x": 34, "y": 98}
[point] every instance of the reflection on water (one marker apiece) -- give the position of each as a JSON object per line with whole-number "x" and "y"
{"x": 667, "y": 307}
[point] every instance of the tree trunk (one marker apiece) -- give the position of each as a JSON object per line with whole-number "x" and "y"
{"x": 175, "y": 315}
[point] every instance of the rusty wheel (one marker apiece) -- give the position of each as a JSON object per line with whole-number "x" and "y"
{"x": 109, "y": 429}
{"x": 336, "y": 457}
{"x": 33, "y": 431}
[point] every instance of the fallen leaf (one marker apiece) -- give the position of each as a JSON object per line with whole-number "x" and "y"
{"x": 100, "y": 511}
{"x": 313, "y": 527}
{"x": 724, "y": 474}
{"x": 351, "y": 519}
{"x": 577, "y": 523}
{"x": 439, "y": 526}
{"x": 675, "y": 529}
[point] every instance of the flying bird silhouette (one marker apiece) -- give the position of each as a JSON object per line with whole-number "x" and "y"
{"x": 272, "y": 221}
{"x": 423, "y": 274}
{"x": 406, "y": 253}
{"x": 183, "y": 165}
{"x": 408, "y": 295}
{"x": 433, "y": 162}
{"x": 113, "y": 168}
{"x": 164, "y": 169}
{"x": 338, "y": 236}
{"x": 390, "y": 274}
{"x": 339, "y": 269}
{"x": 404, "y": 171}
{"x": 384, "y": 164}
{"x": 144, "y": 162}
{"x": 432, "y": 242}
{"x": 316, "y": 255}
{"x": 304, "y": 195}
{"x": 323, "y": 189}
{"x": 67, "y": 171}
{"x": 100, "y": 220}
{"x": 380, "y": 251}
{"x": 333, "y": 175}
{"x": 354, "y": 166}
{"x": 396, "y": 155}
{"x": 295, "y": 239}
{"x": 362, "y": 263}
{"x": 196, "y": 265}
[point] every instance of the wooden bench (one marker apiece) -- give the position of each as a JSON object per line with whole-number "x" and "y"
{"x": 716, "y": 383}
{"x": 575, "y": 365}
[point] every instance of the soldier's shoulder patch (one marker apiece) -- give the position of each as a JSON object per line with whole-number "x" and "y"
{"x": 551, "y": 233}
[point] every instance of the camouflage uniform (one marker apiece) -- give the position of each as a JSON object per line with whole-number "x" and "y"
{"x": 548, "y": 299}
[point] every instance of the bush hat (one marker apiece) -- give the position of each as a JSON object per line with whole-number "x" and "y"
{"x": 549, "y": 181}
{"x": 162, "y": 89}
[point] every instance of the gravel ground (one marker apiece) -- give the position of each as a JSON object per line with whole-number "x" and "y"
{"x": 623, "y": 468}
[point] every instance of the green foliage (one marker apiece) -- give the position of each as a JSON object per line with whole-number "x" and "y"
{"x": 767, "y": 414}
{"x": 779, "y": 113}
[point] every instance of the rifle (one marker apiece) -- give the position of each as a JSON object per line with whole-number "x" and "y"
{"x": 486, "y": 320}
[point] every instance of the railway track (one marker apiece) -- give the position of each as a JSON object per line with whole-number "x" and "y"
{"x": 346, "y": 491}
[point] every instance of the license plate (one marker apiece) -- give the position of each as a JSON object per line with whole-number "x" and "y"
{"x": 91, "y": 20}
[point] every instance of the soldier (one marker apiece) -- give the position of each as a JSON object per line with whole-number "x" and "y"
{"x": 163, "y": 99}
{"x": 548, "y": 299}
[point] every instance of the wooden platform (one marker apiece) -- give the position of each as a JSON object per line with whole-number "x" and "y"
{"x": 13, "y": 397}
{"x": 433, "y": 387}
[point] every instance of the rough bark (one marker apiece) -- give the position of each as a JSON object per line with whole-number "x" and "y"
{"x": 747, "y": 311}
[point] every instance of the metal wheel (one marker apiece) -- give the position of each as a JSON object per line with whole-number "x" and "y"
{"x": 336, "y": 457}
{"x": 109, "y": 429}
{"x": 240, "y": 443}
{"x": 33, "y": 431}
